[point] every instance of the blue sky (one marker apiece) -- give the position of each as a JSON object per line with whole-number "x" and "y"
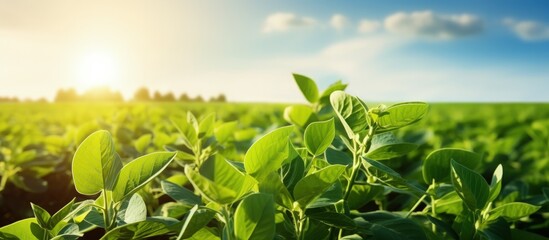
{"x": 386, "y": 51}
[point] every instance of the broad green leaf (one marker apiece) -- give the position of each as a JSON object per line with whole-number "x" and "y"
{"x": 495, "y": 185}
{"x": 22, "y": 229}
{"x": 42, "y": 216}
{"x": 206, "y": 125}
{"x": 308, "y": 87}
{"x": 276, "y": 187}
{"x": 389, "y": 177}
{"x": 450, "y": 203}
{"x": 521, "y": 234}
{"x": 139, "y": 230}
{"x": 437, "y": 164}
{"x": 142, "y": 143}
{"x": 188, "y": 128}
{"x": 96, "y": 164}
{"x": 386, "y": 146}
{"x": 464, "y": 224}
{"x": 136, "y": 210}
{"x": 268, "y": 153}
{"x": 70, "y": 231}
{"x": 225, "y": 131}
{"x": 208, "y": 189}
{"x": 292, "y": 172}
{"x": 220, "y": 181}
{"x": 254, "y": 217}
{"x": 334, "y": 219}
{"x": 400, "y": 115}
{"x": 318, "y": 136}
{"x": 61, "y": 214}
{"x": 331, "y": 197}
{"x": 350, "y": 111}
{"x": 362, "y": 194}
{"x": 139, "y": 172}
{"x": 196, "y": 221}
{"x": 172, "y": 210}
{"x": 495, "y": 230}
{"x": 325, "y": 96}
{"x": 470, "y": 186}
{"x": 299, "y": 115}
{"x": 385, "y": 225}
{"x": 180, "y": 194}
{"x": 204, "y": 234}
{"x": 513, "y": 211}
{"x": 187, "y": 222}
{"x": 313, "y": 185}
{"x": 338, "y": 157}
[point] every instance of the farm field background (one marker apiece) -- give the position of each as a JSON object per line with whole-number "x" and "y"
{"x": 39, "y": 139}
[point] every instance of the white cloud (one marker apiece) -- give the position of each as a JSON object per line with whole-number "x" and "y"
{"x": 431, "y": 25}
{"x": 528, "y": 30}
{"x": 339, "y": 21}
{"x": 368, "y": 26}
{"x": 284, "y": 21}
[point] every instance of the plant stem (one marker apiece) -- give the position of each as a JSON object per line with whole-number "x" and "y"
{"x": 416, "y": 205}
{"x": 3, "y": 181}
{"x": 106, "y": 210}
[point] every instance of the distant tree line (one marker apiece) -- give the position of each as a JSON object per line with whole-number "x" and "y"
{"x": 142, "y": 95}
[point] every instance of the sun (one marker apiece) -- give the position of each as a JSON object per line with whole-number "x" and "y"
{"x": 96, "y": 69}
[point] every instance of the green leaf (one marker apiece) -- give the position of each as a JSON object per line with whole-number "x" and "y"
{"x": 220, "y": 181}
{"x": 188, "y": 128}
{"x": 254, "y": 217}
{"x": 325, "y": 96}
{"x": 400, "y": 115}
{"x": 22, "y": 229}
{"x": 319, "y": 136}
{"x": 334, "y": 219}
{"x": 496, "y": 230}
{"x": 204, "y": 234}
{"x": 136, "y": 210}
{"x": 61, "y": 214}
{"x": 206, "y": 126}
{"x": 187, "y": 222}
{"x": 495, "y": 185}
{"x": 385, "y": 225}
{"x": 180, "y": 194}
{"x": 142, "y": 143}
{"x": 139, "y": 172}
{"x": 513, "y": 211}
{"x": 307, "y": 86}
{"x": 139, "y": 230}
{"x": 386, "y": 146}
{"x": 195, "y": 221}
{"x": 338, "y": 157}
{"x": 42, "y": 216}
{"x": 276, "y": 187}
{"x": 299, "y": 115}
{"x": 225, "y": 131}
{"x": 268, "y": 153}
{"x": 96, "y": 164}
{"x": 437, "y": 164}
{"x": 389, "y": 177}
{"x": 350, "y": 111}
{"x": 521, "y": 234}
{"x": 470, "y": 186}
{"x": 313, "y": 185}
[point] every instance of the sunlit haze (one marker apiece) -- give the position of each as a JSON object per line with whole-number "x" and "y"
{"x": 403, "y": 50}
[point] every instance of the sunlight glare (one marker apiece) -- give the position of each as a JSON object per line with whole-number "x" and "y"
{"x": 96, "y": 69}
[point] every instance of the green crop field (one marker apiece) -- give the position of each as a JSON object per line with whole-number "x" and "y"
{"x": 334, "y": 168}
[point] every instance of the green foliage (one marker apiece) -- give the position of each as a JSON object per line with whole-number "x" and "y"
{"x": 318, "y": 136}
{"x": 242, "y": 174}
